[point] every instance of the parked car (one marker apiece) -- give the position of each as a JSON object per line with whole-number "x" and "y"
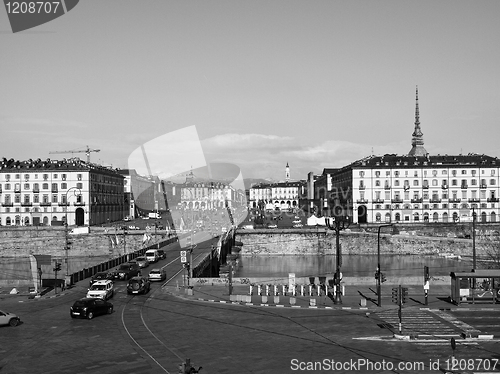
{"x": 10, "y": 319}
{"x": 272, "y": 226}
{"x": 157, "y": 275}
{"x": 132, "y": 227}
{"x": 142, "y": 261}
{"x": 90, "y": 307}
{"x": 103, "y": 275}
{"x": 102, "y": 289}
{"x": 162, "y": 254}
{"x": 127, "y": 271}
{"x": 127, "y": 218}
{"x": 138, "y": 284}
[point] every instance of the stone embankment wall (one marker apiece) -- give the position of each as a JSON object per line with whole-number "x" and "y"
{"x": 322, "y": 242}
{"x": 24, "y": 241}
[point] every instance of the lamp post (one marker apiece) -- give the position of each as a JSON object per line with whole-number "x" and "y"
{"x": 66, "y": 223}
{"x": 337, "y": 223}
{"x": 379, "y": 281}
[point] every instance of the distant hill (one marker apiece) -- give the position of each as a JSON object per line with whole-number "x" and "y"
{"x": 249, "y": 182}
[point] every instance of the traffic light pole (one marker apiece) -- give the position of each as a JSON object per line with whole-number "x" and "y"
{"x": 379, "y": 288}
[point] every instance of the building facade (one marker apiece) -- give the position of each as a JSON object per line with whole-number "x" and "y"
{"x": 415, "y": 187}
{"x": 51, "y": 192}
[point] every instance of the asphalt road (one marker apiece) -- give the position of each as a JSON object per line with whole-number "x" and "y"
{"x": 156, "y": 332}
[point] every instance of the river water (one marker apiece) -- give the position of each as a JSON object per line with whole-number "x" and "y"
{"x": 352, "y": 265}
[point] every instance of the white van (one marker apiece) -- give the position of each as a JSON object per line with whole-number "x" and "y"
{"x": 152, "y": 255}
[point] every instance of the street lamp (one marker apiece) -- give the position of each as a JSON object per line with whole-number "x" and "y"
{"x": 74, "y": 189}
{"x": 379, "y": 274}
{"x": 338, "y": 223}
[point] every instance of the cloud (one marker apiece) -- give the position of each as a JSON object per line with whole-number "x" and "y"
{"x": 265, "y": 156}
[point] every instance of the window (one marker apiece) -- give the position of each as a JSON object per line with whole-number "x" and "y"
{"x": 7, "y": 186}
{"x": 444, "y": 172}
{"x": 79, "y": 177}
{"x": 55, "y": 176}
{"x": 492, "y": 182}
{"x": 434, "y": 173}
{"x": 473, "y": 182}
{"x": 415, "y": 182}
{"x": 64, "y": 186}
{"x": 36, "y": 198}
{"x": 454, "y": 182}
{"x": 396, "y": 174}
{"x": 45, "y": 177}
{"x": 377, "y": 174}
{"x": 377, "y": 183}
{"x": 407, "y": 195}
{"x": 63, "y": 177}
{"x": 26, "y": 186}
{"x": 434, "y": 182}
{"x": 396, "y": 183}
{"x": 17, "y": 198}
{"x": 18, "y": 176}
{"x": 54, "y": 198}
{"x": 45, "y": 186}
{"x": 464, "y": 172}
{"x": 415, "y": 174}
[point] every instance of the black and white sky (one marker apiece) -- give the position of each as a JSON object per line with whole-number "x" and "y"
{"x": 317, "y": 84}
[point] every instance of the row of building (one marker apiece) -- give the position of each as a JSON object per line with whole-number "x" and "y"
{"x": 52, "y": 192}
{"x": 416, "y": 187}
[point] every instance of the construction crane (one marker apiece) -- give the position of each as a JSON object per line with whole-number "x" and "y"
{"x": 86, "y": 151}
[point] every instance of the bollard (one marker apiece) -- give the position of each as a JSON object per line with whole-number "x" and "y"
{"x": 259, "y": 289}
{"x": 310, "y": 290}
{"x": 275, "y": 290}
{"x": 251, "y": 290}
{"x": 301, "y": 290}
{"x": 284, "y": 290}
{"x": 267, "y": 290}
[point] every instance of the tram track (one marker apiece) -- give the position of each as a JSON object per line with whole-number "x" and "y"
{"x": 163, "y": 356}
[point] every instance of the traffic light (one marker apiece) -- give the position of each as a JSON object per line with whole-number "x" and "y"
{"x": 382, "y": 278}
{"x": 427, "y": 276}
{"x": 404, "y": 294}
{"x": 57, "y": 267}
{"x": 395, "y": 295}
{"x": 376, "y": 275}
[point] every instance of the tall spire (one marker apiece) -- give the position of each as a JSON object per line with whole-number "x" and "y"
{"x": 287, "y": 173}
{"x": 417, "y": 140}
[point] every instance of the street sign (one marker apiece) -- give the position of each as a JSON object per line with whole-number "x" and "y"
{"x": 184, "y": 256}
{"x": 183, "y": 253}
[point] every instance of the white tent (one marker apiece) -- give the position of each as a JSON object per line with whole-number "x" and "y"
{"x": 314, "y": 221}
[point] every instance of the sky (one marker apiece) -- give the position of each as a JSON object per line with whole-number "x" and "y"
{"x": 315, "y": 84}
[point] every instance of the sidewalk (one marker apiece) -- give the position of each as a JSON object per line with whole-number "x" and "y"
{"x": 356, "y": 297}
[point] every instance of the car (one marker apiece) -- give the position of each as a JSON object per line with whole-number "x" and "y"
{"x": 90, "y": 307}
{"x": 127, "y": 271}
{"x": 298, "y": 225}
{"x": 101, "y": 289}
{"x": 9, "y": 319}
{"x": 127, "y": 218}
{"x": 157, "y": 275}
{"x": 138, "y": 285}
{"x": 152, "y": 255}
{"x": 132, "y": 227}
{"x": 103, "y": 275}
{"x": 162, "y": 254}
{"x": 142, "y": 261}
{"x": 272, "y": 226}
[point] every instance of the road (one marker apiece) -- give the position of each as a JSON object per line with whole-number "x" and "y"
{"x": 154, "y": 333}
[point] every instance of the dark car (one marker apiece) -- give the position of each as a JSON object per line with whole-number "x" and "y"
{"x": 127, "y": 271}
{"x": 90, "y": 307}
{"x": 138, "y": 285}
{"x": 142, "y": 262}
{"x": 162, "y": 254}
{"x": 103, "y": 275}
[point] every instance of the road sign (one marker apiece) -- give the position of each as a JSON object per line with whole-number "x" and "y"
{"x": 183, "y": 259}
{"x": 183, "y": 253}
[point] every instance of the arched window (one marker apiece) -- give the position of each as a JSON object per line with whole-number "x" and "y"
{"x": 8, "y": 221}
{"x": 18, "y": 220}
{"x": 435, "y": 217}
{"x": 397, "y": 217}
{"x": 416, "y": 217}
{"x": 445, "y": 217}
{"x": 493, "y": 217}
{"x": 388, "y": 217}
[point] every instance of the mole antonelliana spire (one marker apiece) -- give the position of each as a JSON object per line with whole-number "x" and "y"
{"x": 417, "y": 140}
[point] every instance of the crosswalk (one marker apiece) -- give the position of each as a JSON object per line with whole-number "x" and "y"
{"x": 419, "y": 322}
